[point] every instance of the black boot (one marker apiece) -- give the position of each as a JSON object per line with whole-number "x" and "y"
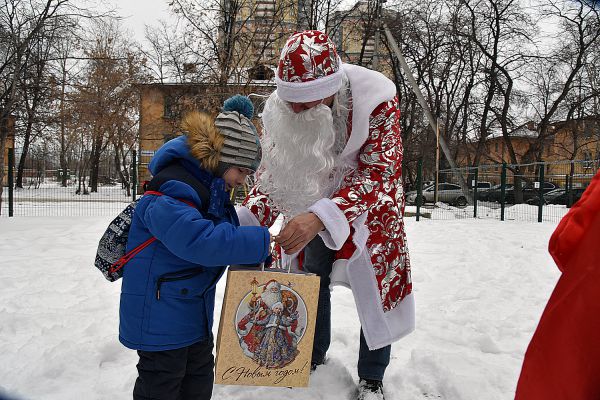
{"x": 369, "y": 389}
{"x": 315, "y": 364}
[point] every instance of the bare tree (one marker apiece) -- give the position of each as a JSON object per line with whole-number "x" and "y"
{"x": 239, "y": 37}
{"x": 106, "y": 98}
{"x": 317, "y": 14}
{"x": 36, "y": 92}
{"x": 173, "y": 55}
{"x": 20, "y": 23}
{"x": 557, "y": 74}
{"x": 64, "y": 111}
{"x": 445, "y": 65}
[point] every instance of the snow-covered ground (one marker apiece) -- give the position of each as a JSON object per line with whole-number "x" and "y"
{"x": 480, "y": 287}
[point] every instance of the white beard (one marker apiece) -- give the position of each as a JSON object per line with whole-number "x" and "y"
{"x": 270, "y": 298}
{"x": 300, "y": 163}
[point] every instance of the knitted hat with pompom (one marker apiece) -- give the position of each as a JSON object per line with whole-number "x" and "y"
{"x": 230, "y": 140}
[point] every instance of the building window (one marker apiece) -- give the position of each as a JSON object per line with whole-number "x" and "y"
{"x": 169, "y": 106}
{"x": 261, "y": 73}
{"x": 588, "y": 163}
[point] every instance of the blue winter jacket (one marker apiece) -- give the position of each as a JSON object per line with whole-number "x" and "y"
{"x": 168, "y": 289}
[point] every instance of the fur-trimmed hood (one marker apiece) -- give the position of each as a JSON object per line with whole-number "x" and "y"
{"x": 201, "y": 145}
{"x": 174, "y": 149}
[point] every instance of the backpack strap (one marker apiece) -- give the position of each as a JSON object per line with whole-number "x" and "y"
{"x": 129, "y": 255}
{"x": 120, "y": 263}
{"x": 152, "y": 192}
{"x": 176, "y": 172}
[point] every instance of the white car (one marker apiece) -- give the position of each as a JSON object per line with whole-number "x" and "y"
{"x": 447, "y": 193}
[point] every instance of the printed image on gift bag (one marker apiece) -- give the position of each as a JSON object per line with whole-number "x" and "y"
{"x": 267, "y": 328}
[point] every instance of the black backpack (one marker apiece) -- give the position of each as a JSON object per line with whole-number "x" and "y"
{"x": 111, "y": 256}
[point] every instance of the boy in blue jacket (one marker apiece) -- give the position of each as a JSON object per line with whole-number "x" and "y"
{"x": 168, "y": 290}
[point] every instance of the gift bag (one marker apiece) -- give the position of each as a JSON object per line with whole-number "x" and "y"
{"x": 267, "y": 328}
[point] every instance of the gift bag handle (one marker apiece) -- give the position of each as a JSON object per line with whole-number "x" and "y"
{"x": 289, "y": 267}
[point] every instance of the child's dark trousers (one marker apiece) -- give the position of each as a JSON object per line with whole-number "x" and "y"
{"x": 181, "y": 374}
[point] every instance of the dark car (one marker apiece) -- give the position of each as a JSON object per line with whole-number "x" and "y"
{"x": 529, "y": 192}
{"x": 493, "y": 194}
{"x": 558, "y": 196}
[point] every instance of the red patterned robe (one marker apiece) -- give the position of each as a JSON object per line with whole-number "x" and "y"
{"x": 363, "y": 219}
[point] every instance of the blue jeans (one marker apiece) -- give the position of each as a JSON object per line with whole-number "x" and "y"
{"x": 318, "y": 259}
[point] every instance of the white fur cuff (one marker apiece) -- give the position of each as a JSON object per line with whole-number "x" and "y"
{"x": 246, "y": 217}
{"x": 337, "y": 227}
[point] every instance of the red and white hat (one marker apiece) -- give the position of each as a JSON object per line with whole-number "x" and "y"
{"x": 309, "y": 68}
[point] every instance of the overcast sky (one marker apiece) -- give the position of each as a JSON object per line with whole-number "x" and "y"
{"x": 136, "y": 13}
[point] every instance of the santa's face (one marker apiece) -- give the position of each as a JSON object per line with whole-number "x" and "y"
{"x": 271, "y": 295}
{"x": 300, "y": 107}
{"x": 299, "y": 155}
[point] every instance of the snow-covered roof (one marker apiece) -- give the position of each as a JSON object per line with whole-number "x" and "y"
{"x": 522, "y": 132}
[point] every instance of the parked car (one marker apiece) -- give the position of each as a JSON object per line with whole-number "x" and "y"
{"x": 493, "y": 193}
{"x": 558, "y": 196}
{"x": 429, "y": 193}
{"x": 411, "y": 197}
{"x": 483, "y": 186}
{"x": 447, "y": 193}
{"x": 455, "y": 196}
{"x": 529, "y": 192}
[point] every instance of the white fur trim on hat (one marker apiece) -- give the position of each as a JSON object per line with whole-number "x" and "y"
{"x": 318, "y": 89}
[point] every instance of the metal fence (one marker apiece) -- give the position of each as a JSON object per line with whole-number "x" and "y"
{"x": 533, "y": 192}
{"x": 43, "y": 193}
{"x": 524, "y": 192}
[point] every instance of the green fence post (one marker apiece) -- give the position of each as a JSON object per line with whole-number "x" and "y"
{"x": 502, "y": 191}
{"x": 571, "y": 192}
{"x": 475, "y": 180}
{"x": 569, "y": 189}
{"x": 541, "y": 192}
{"x": 134, "y": 175}
{"x": 419, "y": 187}
{"x": 11, "y": 183}
{"x": 567, "y": 193}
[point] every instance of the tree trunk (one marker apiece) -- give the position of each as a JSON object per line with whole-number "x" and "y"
{"x": 95, "y": 162}
{"x": 63, "y": 140}
{"x": 125, "y": 183}
{"x": 3, "y": 136}
{"x": 26, "y": 143}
